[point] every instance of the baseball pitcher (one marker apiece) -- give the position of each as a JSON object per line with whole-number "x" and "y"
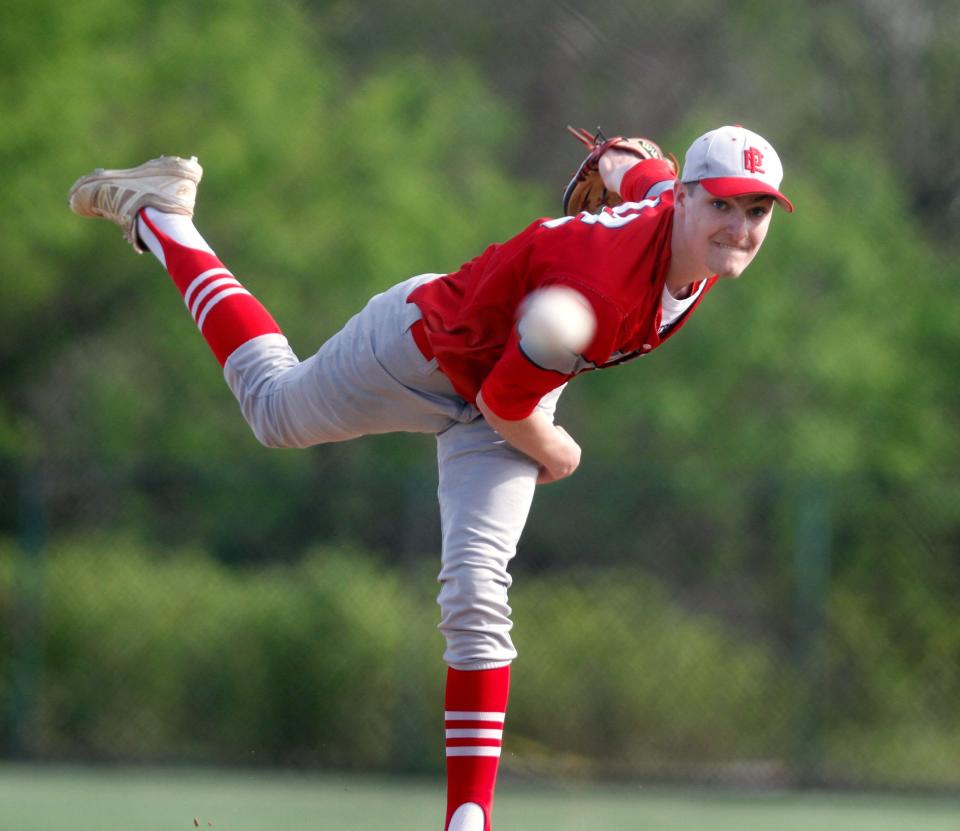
{"x": 477, "y": 357}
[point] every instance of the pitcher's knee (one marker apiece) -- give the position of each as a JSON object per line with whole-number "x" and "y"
{"x": 275, "y": 422}
{"x": 267, "y": 429}
{"x": 270, "y": 436}
{"x": 475, "y": 620}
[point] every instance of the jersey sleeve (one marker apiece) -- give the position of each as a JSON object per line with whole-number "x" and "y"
{"x": 520, "y": 378}
{"x": 642, "y": 180}
{"x": 516, "y": 384}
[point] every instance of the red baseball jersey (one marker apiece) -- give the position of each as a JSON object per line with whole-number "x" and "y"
{"x": 617, "y": 259}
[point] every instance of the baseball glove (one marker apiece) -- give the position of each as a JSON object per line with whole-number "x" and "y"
{"x": 586, "y": 191}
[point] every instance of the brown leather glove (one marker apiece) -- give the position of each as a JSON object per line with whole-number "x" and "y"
{"x": 586, "y": 190}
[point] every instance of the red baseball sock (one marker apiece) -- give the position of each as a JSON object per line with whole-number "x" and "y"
{"x": 476, "y": 705}
{"x": 224, "y": 311}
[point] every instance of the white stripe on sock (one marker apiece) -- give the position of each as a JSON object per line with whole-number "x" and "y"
{"x": 461, "y": 715}
{"x": 474, "y": 734}
{"x": 197, "y": 281}
{"x": 473, "y": 751}
{"x": 216, "y": 299}
{"x": 209, "y": 289}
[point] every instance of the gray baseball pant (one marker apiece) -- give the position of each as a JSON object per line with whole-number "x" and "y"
{"x": 371, "y": 378}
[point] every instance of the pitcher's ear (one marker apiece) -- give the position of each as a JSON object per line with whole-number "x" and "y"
{"x": 680, "y": 194}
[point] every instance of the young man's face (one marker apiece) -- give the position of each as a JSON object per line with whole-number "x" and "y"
{"x": 722, "y": 234}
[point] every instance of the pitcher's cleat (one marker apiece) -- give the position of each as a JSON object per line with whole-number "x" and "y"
{"x": 168, "y": 184}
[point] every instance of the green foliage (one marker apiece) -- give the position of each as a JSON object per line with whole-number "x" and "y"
{"x": 336, "y": 662}
{"x": 178, "y": 657}
{"x": 348, "y": 146}
{"x": 654, "y": 685}
{"x": 325, "y": 184}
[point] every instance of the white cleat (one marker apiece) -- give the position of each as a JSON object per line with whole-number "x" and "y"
{"x": 168, "y": 184}
{"x": 468, "y": 817}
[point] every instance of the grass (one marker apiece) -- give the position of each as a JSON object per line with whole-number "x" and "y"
{"x": 41, "y": 798}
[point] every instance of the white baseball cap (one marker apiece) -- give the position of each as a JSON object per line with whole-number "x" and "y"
{"x": 733, "y": 161}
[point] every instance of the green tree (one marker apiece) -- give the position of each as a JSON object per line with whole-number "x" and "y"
{"x": 322, "y": 188}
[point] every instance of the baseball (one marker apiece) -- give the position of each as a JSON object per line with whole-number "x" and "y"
{"x": 557, "y": 318}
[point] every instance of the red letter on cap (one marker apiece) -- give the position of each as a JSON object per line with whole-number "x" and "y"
{"x": 752, "y": 160}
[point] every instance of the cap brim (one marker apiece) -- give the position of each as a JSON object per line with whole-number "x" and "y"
{"x": 731, "y": 186}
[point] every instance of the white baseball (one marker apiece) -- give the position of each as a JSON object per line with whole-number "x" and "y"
{"x": 557, "y": 318}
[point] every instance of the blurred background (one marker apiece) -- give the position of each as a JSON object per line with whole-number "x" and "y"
{"x": 752, "y": 580}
